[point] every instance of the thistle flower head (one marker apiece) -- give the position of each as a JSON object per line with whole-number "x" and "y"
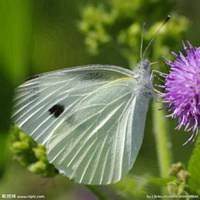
{"x": 182, "y": 89}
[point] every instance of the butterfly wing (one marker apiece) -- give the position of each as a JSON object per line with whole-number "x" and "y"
{"x": 90, "y": 119}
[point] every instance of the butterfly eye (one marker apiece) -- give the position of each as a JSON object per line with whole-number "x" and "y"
{"x": 145, "y": 65}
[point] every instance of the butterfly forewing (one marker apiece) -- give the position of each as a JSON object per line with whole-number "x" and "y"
{"x": 86, "y": 118}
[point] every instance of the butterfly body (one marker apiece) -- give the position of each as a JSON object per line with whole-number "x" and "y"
{"x": 91, "y": 119}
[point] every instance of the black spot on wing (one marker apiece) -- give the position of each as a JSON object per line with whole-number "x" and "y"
{"x": 56, "y": 110}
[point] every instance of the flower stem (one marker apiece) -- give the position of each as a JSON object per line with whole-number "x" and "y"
{"x": 163, "y": 144}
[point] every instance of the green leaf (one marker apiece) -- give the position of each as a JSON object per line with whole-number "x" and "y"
{"x": 14, "y": 50}
{"x": 15, "y": 35}
{"x": 194, "y": 168}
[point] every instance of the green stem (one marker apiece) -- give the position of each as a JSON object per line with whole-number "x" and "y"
{"x": 163, "y": 144}
{"x": 3, "y": 152}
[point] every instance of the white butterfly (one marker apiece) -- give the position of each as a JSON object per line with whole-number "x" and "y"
{"x": 90, "y": 119}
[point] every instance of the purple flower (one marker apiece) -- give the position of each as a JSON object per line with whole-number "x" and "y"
{"x": 182, "y": 89}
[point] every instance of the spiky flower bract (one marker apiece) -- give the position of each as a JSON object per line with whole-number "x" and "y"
{"x": 182, "y": 89}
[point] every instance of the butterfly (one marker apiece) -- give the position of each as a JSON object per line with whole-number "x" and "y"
{"x": 91, "y": 119}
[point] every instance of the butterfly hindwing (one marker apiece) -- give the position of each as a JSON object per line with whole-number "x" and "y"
{"x": 86, "y": 118}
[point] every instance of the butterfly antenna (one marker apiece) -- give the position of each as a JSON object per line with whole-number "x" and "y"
{"x": 142, "y": 42}
{"x": 156, "y": 33}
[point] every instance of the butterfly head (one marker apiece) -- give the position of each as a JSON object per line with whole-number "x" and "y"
{"x": 144, "y": 65}
{"x": 143, "y": 75}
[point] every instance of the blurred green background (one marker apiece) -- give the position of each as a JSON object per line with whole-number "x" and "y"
{"x": 42, "y": 35}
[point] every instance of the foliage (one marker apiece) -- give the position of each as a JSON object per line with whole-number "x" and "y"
{"x": 121, "y": 25}
{"x": 138, "y": 187}
{"x": 179, "y": 185}
{"x": 194, "y": 168}
{"x": 30, "y": 154}
{"x": 14, "y": 41}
